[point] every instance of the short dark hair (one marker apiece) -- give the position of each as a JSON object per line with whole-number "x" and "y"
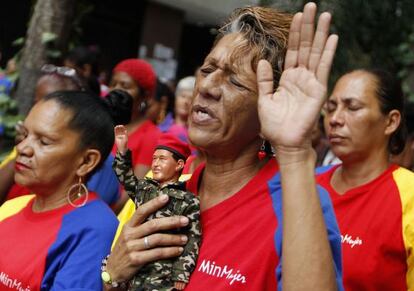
{"x": 83, "y": 55}
{"x": 119, "y": 103}
{"x": 390, "y": 96}
{"x": 92, "y": 118}
{"x": 161, "y": 90}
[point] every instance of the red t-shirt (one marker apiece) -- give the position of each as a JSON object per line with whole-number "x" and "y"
{"x": 238, "y": 248}
{"x": 142, "y": 143}
{"x": 376, "y": 221}
{"x": 241, "y": 237}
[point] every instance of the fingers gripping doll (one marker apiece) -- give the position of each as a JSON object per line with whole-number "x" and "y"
{"x": 167, "y": 164}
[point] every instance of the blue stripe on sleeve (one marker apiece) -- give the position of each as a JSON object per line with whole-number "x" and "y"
{"x": 84, "y": 239}
{"x": 334, "y": 236}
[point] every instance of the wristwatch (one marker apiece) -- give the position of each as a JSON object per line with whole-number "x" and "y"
{"x": 106, "y": 277}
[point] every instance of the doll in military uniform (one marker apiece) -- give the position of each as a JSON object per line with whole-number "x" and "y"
{"x": 167, "y": 164}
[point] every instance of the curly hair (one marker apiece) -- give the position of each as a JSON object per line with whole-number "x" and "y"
{"x": 265, "y": 33}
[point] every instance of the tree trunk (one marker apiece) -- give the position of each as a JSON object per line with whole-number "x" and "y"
{"x": 50, "y": 17}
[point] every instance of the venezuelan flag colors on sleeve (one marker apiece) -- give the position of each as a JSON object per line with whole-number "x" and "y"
{"x": 59, "y": 249}
{"x": 377, "y": 228}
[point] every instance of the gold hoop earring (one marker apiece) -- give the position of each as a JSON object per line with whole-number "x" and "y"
{"x": 79, "y": 188}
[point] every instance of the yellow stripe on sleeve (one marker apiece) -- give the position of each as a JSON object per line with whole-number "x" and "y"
{"x": 11, "y": 207}
{"x": 405, "y": 183}
{"x": 11, "y": 156}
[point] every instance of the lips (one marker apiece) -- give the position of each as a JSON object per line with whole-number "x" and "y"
{"x": 18, "y": 166}
{"x": 202, "y": 114}
{"x": 335, "y": 138}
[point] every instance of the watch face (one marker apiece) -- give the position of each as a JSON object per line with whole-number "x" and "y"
{"x": 105, "y": 277}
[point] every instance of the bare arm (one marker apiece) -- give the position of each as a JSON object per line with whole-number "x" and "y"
{"x": 287, "y": 117}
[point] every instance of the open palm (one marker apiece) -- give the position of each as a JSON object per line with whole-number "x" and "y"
{"x": 288, "y": 115}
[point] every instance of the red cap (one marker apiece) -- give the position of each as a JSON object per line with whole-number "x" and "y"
{"x": 139, "y": 70}
{"x": 172, "y": 143}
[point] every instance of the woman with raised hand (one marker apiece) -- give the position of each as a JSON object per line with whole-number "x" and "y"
{"x": 57, "y": 238}
{"x": 243, "y": 209}
{"x": 373, "y": 198}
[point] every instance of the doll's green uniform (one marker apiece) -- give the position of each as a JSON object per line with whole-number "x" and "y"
{"x": 161, "y": 275}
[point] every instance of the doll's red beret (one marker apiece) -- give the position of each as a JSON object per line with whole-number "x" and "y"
{"x": 172, "y": 143}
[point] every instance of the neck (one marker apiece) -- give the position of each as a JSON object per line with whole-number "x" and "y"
{"x": 49, "y": 201}
{"x": 356, "y": 172}
{"x": 134, "y": 124}
{"x": 52, "y": 197}
{"x": 181, "y": 120}
{"x": 169, "y": 181}
{"x": 225, "y": 176}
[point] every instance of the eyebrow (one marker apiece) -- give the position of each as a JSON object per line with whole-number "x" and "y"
{"x": 350, "y": 99}
{"x": 230, "y": 68}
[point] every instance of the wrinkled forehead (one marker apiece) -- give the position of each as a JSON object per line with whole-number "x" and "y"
{"x": 233, "y": 52}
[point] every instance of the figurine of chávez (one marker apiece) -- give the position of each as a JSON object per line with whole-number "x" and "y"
{"x": 167, "y": 164}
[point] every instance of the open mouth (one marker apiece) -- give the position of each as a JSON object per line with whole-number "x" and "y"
{"x": 202, "y": 114}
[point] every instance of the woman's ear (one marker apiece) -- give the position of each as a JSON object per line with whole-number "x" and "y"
{"x": 393, "y": 121}
{"x": 91, "y": 159}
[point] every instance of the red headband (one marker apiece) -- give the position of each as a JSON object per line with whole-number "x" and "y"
{"x": 139, "y": 70}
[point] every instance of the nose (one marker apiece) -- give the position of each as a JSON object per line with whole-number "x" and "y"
{"x": 24, "y": 148}
{"x": 155, "y": 162}
{"x": 209, "y": 86}
{"x": 336, "y": 117}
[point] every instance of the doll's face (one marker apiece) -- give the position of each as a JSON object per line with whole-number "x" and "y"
{"x": 164, "y": 167}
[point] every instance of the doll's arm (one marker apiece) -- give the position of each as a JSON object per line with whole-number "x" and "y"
{"x": 122, "y": 166}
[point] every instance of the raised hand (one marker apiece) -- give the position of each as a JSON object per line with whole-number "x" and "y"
{"x": 121, "y": 138}
{"x": 288, "y": 115}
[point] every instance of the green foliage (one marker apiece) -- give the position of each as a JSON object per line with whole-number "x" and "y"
{"x": 8, "y": 116}
{"x": 370, "y": 33}
{"x": 405, "y": 56}
{"x": 374, "y": 33}
{"x": 8, "y": 121}
{"x": 48, "y": 37}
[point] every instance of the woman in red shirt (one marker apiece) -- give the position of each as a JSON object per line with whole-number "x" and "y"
{"x": 138, "y": 78}
{"x": 373, "y": 199}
